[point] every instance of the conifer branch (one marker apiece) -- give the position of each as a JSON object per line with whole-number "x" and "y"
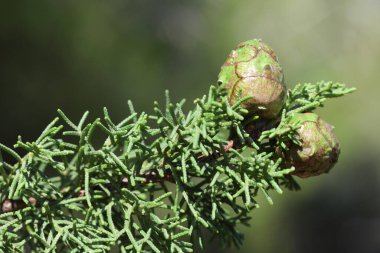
{"x": 159, "y": 180}
{"x": 79, "y": 197}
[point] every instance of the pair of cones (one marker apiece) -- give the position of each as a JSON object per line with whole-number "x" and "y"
{"x": 253, "y": 69}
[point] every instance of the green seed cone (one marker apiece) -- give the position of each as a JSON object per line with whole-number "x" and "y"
{"x": 319, "y": 150}
{"x": 252, "y": 69}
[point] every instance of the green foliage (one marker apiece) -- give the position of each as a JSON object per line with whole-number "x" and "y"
{"x": 307, "y": 97}
{"x": 154, "y": 185}
{"x": 302, "y": 98}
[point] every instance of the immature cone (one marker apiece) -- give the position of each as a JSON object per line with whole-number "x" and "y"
{"x": 319, "y": 150}
{"x": 252, "y": 69}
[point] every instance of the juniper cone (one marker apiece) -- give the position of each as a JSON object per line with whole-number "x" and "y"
{"x": 319, "y": 150}
{"x": 252, "y": 69}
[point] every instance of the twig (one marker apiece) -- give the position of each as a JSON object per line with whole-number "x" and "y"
{"x": 12, "y": 205}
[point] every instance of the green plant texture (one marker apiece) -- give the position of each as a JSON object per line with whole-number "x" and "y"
{"x": 157, "y": 183}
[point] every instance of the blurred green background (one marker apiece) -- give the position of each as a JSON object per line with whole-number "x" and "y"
{"x": 83, "y": 55}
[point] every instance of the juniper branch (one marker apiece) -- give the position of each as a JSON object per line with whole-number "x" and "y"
{"x": 158, "y": 181}
{"x": 153, "y": 186}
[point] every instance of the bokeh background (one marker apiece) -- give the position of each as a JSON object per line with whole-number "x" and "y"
{"x": 83, "y": 55}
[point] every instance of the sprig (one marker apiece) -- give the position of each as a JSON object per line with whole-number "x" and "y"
{"x": 155, "y": 183}
{"x": 307, "y": 97}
